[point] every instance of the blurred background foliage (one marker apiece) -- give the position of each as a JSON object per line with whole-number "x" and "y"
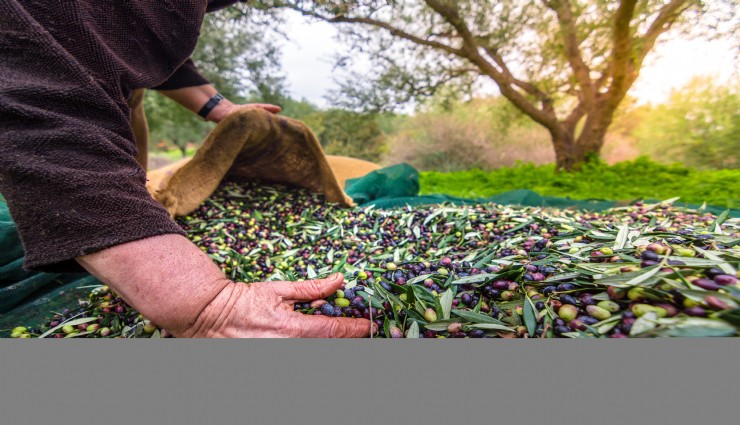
{"x": 488, "y": 143}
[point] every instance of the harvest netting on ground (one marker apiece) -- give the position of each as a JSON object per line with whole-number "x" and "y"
{"x": 483, "y": 270}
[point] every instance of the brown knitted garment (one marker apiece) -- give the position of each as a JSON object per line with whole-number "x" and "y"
{"x": 67, "y": 154}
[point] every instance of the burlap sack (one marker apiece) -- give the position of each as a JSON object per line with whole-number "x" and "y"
{"x": 254, "y": 143}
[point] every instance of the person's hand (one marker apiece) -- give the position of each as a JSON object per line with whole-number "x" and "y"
{"x": 265, "y": 310}
{"x": 226, "y": 108}
{"x": 178, "y": 287}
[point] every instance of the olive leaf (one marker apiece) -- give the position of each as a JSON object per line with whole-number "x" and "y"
{"x": 476, "y": 317}
{"x": 625, "y": 280}
{"x": 621, "y": 240}
{"x": 731, "y": 316}
{"x": 530, "y": 316}
{"x": 485, "y": 260}
{"x": 696, "y": 327}
{"x": 446, "y": 302}
{"x": 490, "y": 327}
{"x": 440, "y": 325}
{"x": 310, "y": 273}
{"x": 644, "y": 323}
{"x": 413, "y": 331}
{"x": 341, "y": 264}
{"x": 698, "y": 295}
{"x": 606, "y": 325}
{"x": 562, "y": 276}
{"x": 477, "y": 278}
{"x": 419, "y": 278}
{"x": 420, "y": 306}
{"x": 723, "y": 265}
{"x": 716, "y": 226}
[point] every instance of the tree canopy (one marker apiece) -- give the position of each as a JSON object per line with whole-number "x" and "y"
{"x": 567, "y": 64}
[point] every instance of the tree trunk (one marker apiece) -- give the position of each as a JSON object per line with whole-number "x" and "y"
{"x": 183, "y": 147}
{"x": 571, "y": 152}
{"x": 570, "y": 156}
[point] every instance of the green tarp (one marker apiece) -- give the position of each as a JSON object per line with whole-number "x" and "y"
{"x": 26, "y": 298}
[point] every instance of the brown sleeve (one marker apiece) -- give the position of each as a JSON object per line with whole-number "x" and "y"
{"x": 186, "y": 75}
{"x": 67, "y": 156}
{"x": 214, "y": 5}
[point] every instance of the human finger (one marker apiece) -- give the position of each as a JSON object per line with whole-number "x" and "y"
{"x": 308, "y": 290}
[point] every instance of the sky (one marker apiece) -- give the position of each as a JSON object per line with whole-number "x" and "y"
{"x": 307, "y": 63}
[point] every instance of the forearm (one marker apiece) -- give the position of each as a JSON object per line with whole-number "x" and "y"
{"x": 166, "y": 278}
{"x": 172, "y": 283}
{"x": 193, "y": 99}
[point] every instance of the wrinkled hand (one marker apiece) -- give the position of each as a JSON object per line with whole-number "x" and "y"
{"x": 226, "y": 108}
{"x": 265, "y": 310}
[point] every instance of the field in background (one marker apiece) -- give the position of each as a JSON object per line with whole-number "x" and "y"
{"x": 629, "y": 180}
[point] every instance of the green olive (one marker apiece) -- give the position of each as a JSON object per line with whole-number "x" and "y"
{"x": 341, "y": 302}
{"x": 609, "y": 306}
{"x": 430, "y": 315}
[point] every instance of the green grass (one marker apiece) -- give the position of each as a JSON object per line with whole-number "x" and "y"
{"x": 173, "y": 154}
{"x": 627, "y": 180}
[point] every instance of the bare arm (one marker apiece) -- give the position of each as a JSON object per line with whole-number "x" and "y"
{"x": 193, "y": 98}
{"x": 175, "y": 285}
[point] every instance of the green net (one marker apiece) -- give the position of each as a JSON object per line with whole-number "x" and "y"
{"x": 28, "y": 298}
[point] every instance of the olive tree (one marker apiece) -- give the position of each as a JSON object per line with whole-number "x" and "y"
{"x": 566, "y": 64}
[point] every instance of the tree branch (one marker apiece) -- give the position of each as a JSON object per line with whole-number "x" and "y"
{"x": 663, "y": 22}
{"x": 524, "y": 85}
{"x": 581, "y": 71}
{"x": 379, "y": 24}
{"x": 571, "y": 121}
{"x": 504, "y": 80}
{"x": 621, "y": 57}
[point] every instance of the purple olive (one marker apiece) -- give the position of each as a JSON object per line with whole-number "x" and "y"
{"x": 650, "y": 256}
{"x": 567, "y": 299}
{"x": 725, "y": 279}
{"x": 327, "y": 309}
{"x": 715, "y": 303}
{"x": 501, "y": 285}
{"x": 476, "y": 333}
{"x": 587, "y": 299}
{"x": 714, "y": 271}
{"x": 577, "y": 325}
{"x": 706, "y": 284}
{"x": 559, "y": 330}
{"x": 454, "y": 327}
{"x": 695, "y": 311}
{"x": 396, "y": 332}
{"x": 564, "y": 287}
